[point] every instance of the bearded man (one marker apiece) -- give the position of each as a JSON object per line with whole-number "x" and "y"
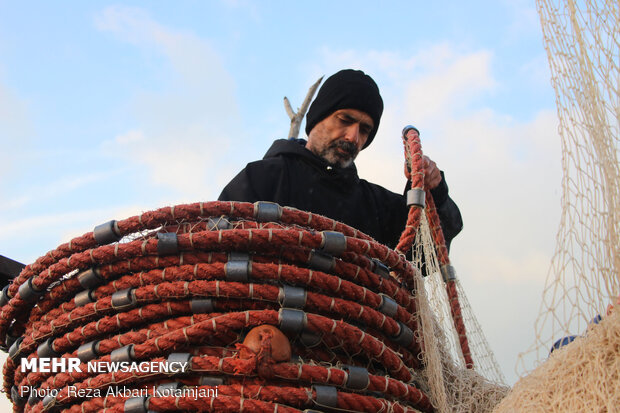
{"x": 319, "y": 175}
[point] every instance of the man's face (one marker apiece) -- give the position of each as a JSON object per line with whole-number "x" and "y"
{"x": 341, "y": 136}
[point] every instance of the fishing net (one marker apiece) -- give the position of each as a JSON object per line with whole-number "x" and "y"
{"x": 577, "y": 322}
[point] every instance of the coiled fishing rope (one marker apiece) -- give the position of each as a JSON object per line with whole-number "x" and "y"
{"x": 189, "y": 283}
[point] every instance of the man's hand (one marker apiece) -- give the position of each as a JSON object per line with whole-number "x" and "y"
{"x": 432, "y": 176}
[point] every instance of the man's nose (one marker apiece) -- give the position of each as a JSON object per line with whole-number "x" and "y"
{"x": 353, "y": 134}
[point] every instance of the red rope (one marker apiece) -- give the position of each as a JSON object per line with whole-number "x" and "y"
{"x": 414, "y": 170}
{"x": 343, "y": 309}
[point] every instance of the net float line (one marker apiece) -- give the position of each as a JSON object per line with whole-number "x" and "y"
{"x": 419, "y": 198}
{"x": 180, "y": 279}
{"x": 228, "y": 240}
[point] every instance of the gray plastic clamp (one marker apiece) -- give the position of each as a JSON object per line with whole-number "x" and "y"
{"x": 90, "y": 278}
{"x": 166, "y": 387}
{"x": 292, "y": 320}
{"x": 267, "y": 211}
{"x": 326, "y": 396}
{"x": 28, "y": 293}
{"x": 88, "y": 351}
{"x": 167, "y": 243}
{"x": 404, "y": 337}
{"x": 107, "y": 233}
{"x": 181, "y": 358}
{"x": 216, "y": 224}
{"x": 15, "y": 350}
{"x": 388, "y": 306}
{"x": 237, "y": 270}
{"x": 4, "y": 296}
{"x": 124, "y": 299}
{"x": 321, "y": 261}
{"x": 407, "y": 128}
{"x": 357, "y": 378}
{"x": 49, "y": 400}
{"x": 292, "y": 297}
{"x": 380, "y": 269}
{"x": 201, "y": 305}
{"x": 448, "y": 273}
{"x": 211, "y": 381}
{"x": 123, "y": 354}
{"x": 16, "y": 397}
{"x": 416, "y": 197}
{"x": 136, "y": 405}
{"x": 84, "y": 297}
{"x": 46, "y": 349}
{"x": 334, "y": 243}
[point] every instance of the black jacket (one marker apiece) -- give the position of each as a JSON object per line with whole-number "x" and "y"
{"x": 291, "y": 175}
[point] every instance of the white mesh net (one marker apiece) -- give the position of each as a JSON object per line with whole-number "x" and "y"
{"x": 581, "y": 39}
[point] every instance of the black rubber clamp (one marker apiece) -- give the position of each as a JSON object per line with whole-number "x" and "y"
{"x": 292, "y": 297}
{"x": 34, "y": 398}
{"x": 4, "y": 296}
{"x": 15, "y": 350}
{"x": 357, "y": 378}
{"x": 201, "y": 305}
{"x": 380, "y": 269}
{"x": 237, "y": 270}
{"x": 88, "y": 351}
{"x": 334, "y": 243}
{"x": 404, "y": 337}
{"x": 16, "y": 397}
{"x": 124, "y": 299}
{"x": 107, "y": 233}
{"x": 325, "y": 396}
{"x": 136, "y": 405}
{"x": 448, "y": 273}
{"x": 416, "y": 197}
{"x": 90, "y": 278}
{"x": 321, "y": 261}
{"x": 388, "y": 306}
{"x": 292, "y": 320}
{"x": 211, "y": 381}
{"x": 267, "y": 211}
{"x": 181, "y": 358}
{"x": 216, "y": 224}
{"x": 46, "y": 349}
{"x": 167, "y": 243}
{"x": 84, "y": 297}
{"x": 9, "y": 341}
{"x": 28, "y": 293}
{"x": 310, "y": 339}
{"x": 123, "y": 354}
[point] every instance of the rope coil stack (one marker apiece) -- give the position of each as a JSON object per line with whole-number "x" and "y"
{"x": 187, "y": 283}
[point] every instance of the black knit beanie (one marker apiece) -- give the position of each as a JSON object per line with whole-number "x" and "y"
{"x": 347, "y": 89}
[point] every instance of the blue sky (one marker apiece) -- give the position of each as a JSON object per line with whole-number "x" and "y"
{"x": 107, "y": 110}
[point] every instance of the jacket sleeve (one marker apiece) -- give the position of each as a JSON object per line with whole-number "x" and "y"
{"x": 448, "y": 211}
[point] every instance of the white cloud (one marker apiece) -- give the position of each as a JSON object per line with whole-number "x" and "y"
{"x": 182, "y": 130}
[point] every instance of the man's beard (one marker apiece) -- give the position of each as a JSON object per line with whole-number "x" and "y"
{"x": 334, "y": 157}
